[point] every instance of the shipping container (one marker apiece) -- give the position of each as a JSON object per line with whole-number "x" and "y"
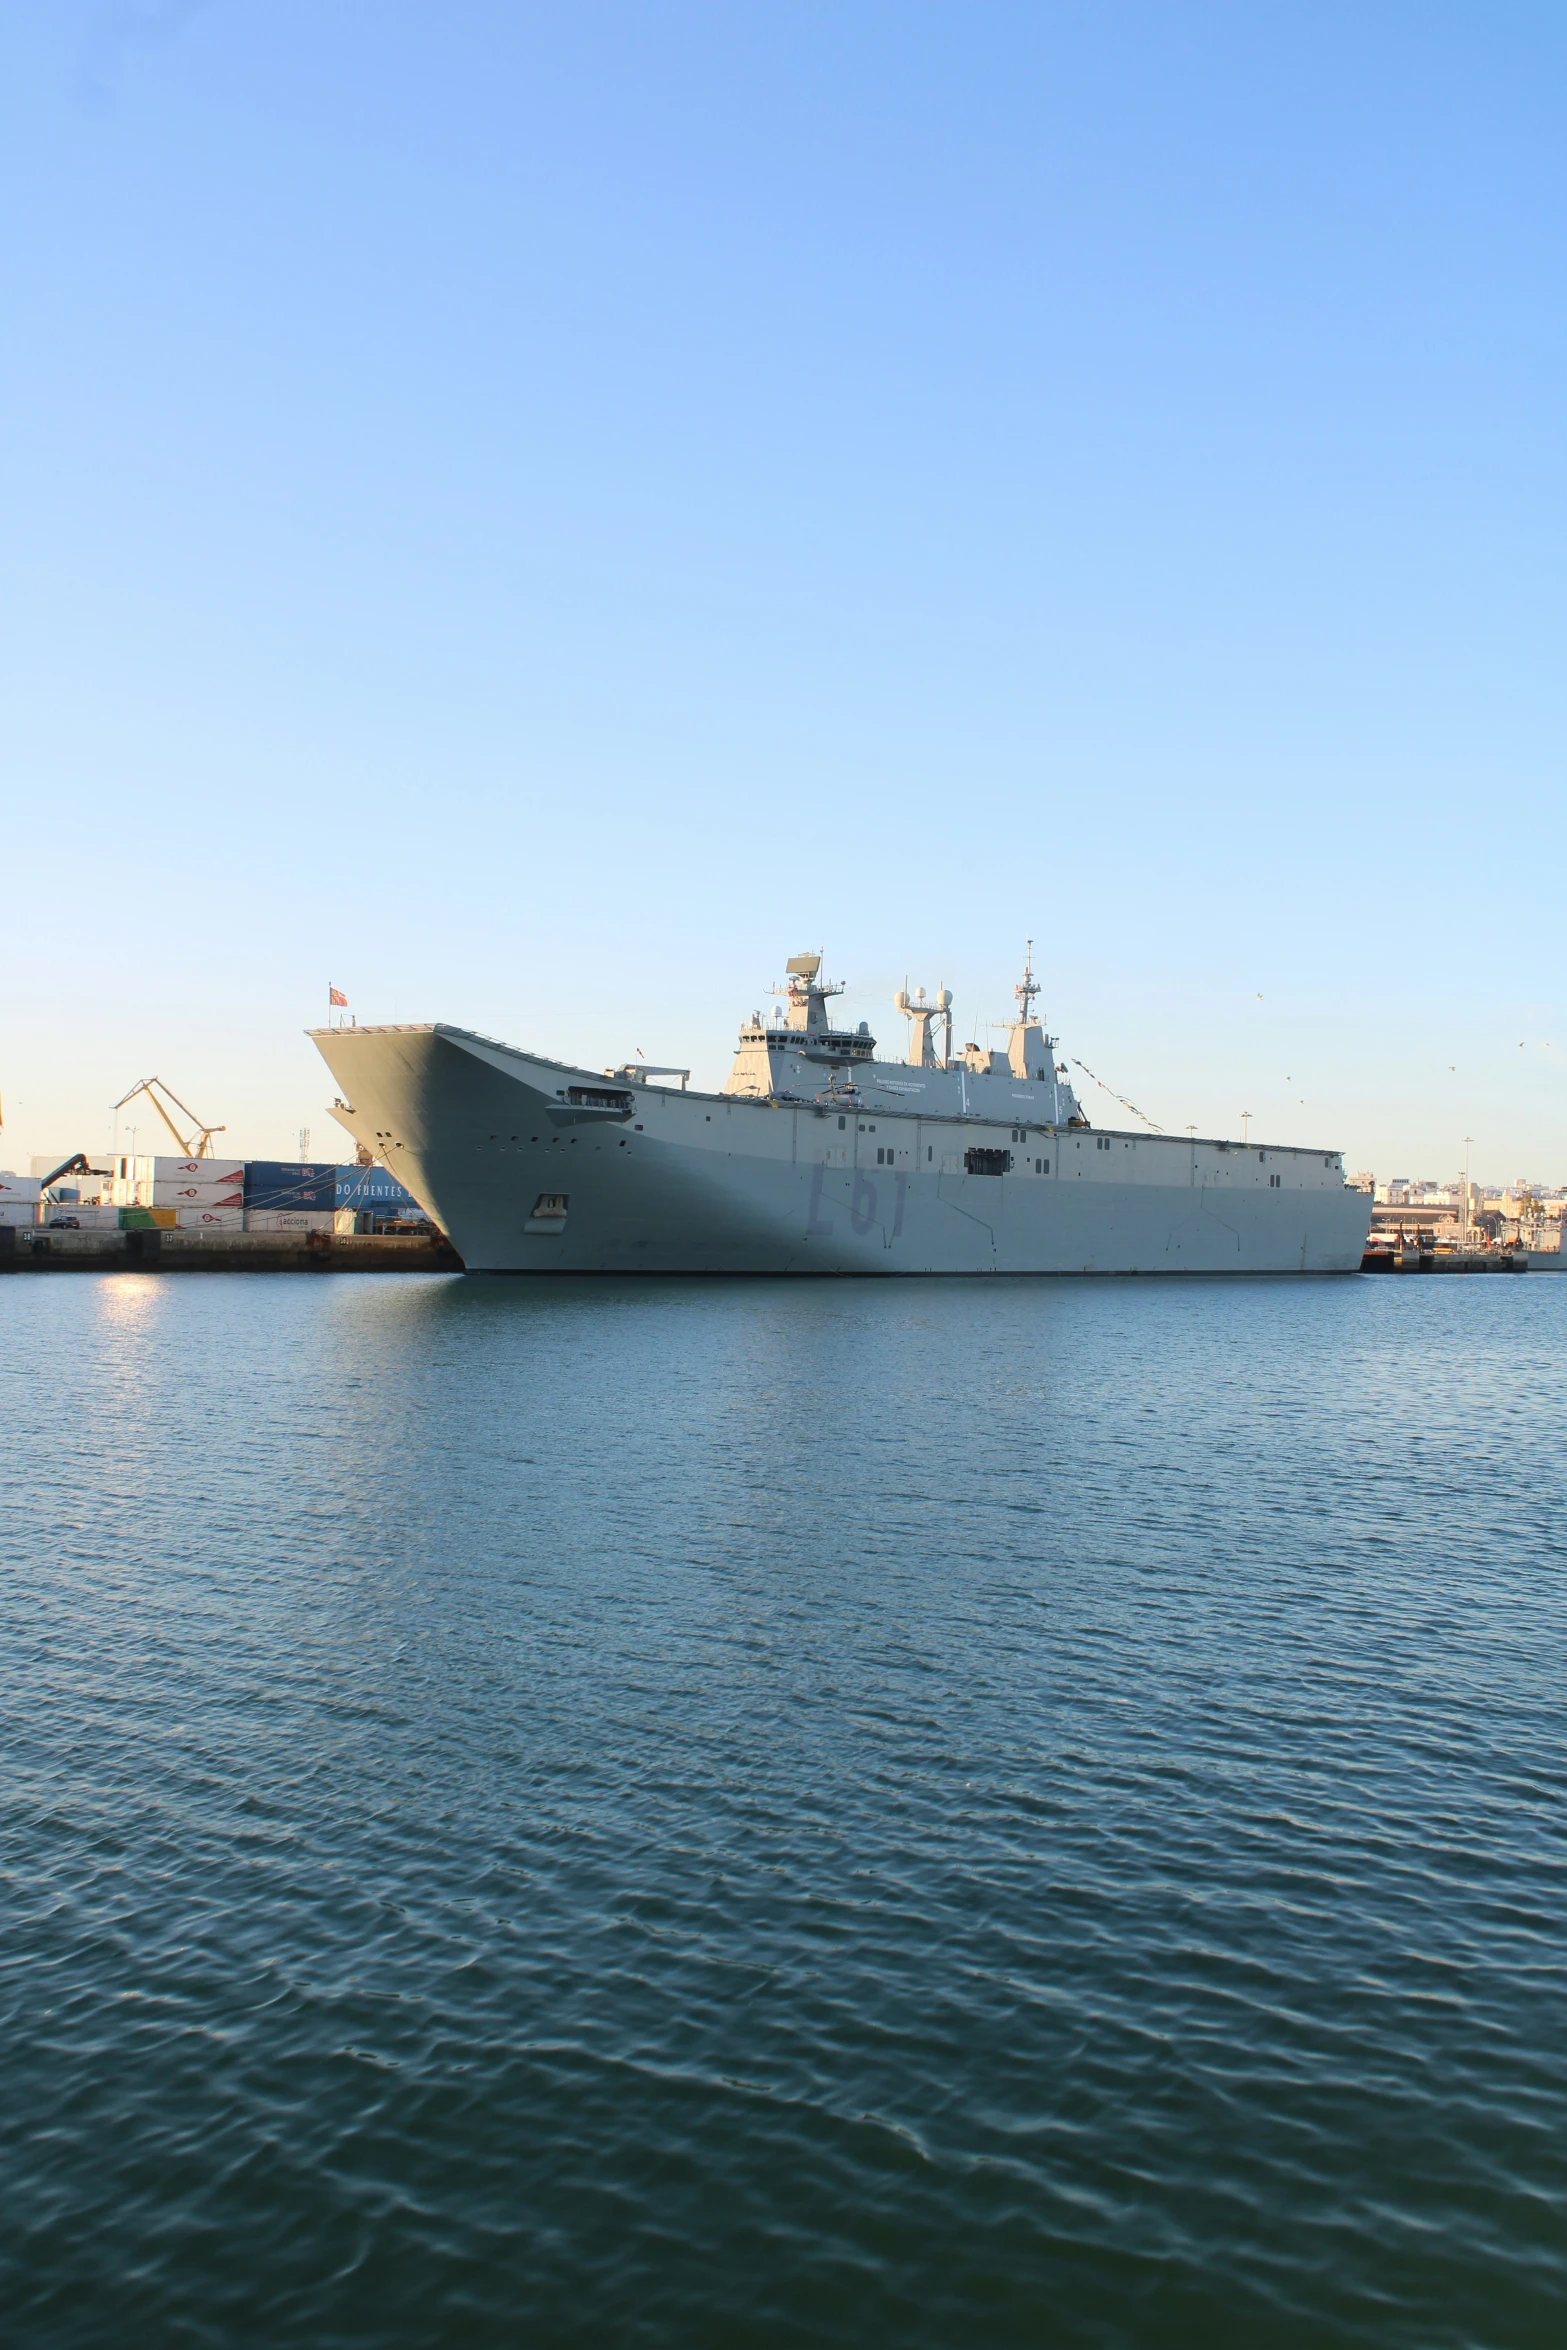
{"x": 88, "y": 1217}
{"x": 289, "y": 1219}
{"x": 198, "y": 1195}
{"x": 276, "y": 1185}
{"x": 130, "y": 1181}
{"x": 291, "y": 1198}
{"x": 209, "y": 1171}
{"x": 211, "y": 1219}
{"x": 139, "y": 1219}
{"x": 375, "y": 1188}
{"x": 18, "y": 1213}
{"x": 21, "y": 1187}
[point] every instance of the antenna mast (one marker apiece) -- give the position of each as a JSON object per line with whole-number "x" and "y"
{"x": 1027, "y": 987}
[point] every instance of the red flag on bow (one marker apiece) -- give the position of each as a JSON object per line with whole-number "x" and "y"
{"x": 335, "y": 995}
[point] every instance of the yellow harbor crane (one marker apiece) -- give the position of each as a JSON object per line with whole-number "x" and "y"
{"x": 199, "y": 1144}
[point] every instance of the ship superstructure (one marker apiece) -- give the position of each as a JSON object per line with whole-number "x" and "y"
{"x": 819, "y": 1157}
{"x": 798, "y": 1056}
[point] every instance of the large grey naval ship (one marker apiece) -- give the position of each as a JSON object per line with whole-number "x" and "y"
{"x": 818, "y": 1157}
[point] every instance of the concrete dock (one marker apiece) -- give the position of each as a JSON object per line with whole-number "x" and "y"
{"x": 35, "y": 1249}
{"x": 1408, "y": 1260}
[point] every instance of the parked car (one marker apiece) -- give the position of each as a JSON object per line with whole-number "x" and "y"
{"x": 65, "y": 1223}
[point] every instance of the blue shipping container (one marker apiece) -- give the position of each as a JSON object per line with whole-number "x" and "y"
{"x": 274, "y": 1184}
{"x": 372, "y": 1187}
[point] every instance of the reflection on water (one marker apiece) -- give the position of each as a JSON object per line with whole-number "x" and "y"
{"x": 937, "y": 1811}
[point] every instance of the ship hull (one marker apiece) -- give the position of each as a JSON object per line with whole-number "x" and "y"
{"x": 534, "y": 1167}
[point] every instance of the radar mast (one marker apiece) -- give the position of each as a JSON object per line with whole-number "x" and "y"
{"x": 807, "y": 995}
{"x": 921, "y": 1016}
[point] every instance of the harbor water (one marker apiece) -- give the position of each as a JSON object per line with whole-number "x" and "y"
{"x": 936, "y": 1812}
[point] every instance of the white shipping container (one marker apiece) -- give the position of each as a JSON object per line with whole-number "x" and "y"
{"x": 195, "y": 1182}
{"x": 290, "y": 1219}
{"x": 88, "y": 1217}
{"x": 225, "y": 1171}
{"x": 200, "y": 1166}
{"x": 131, "y": 1181}
{"x": 209, "y": 1219}
{"x": 20, "y": 1187}
{"x": 18, "y": 1212}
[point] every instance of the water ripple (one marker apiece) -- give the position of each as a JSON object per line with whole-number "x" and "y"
{"x": 709, "y": 1814}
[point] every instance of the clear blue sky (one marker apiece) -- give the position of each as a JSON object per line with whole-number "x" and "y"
{"x": 534, "y": 513}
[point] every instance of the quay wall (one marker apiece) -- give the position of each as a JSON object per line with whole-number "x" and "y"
{"x": 37, "y": 1250}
